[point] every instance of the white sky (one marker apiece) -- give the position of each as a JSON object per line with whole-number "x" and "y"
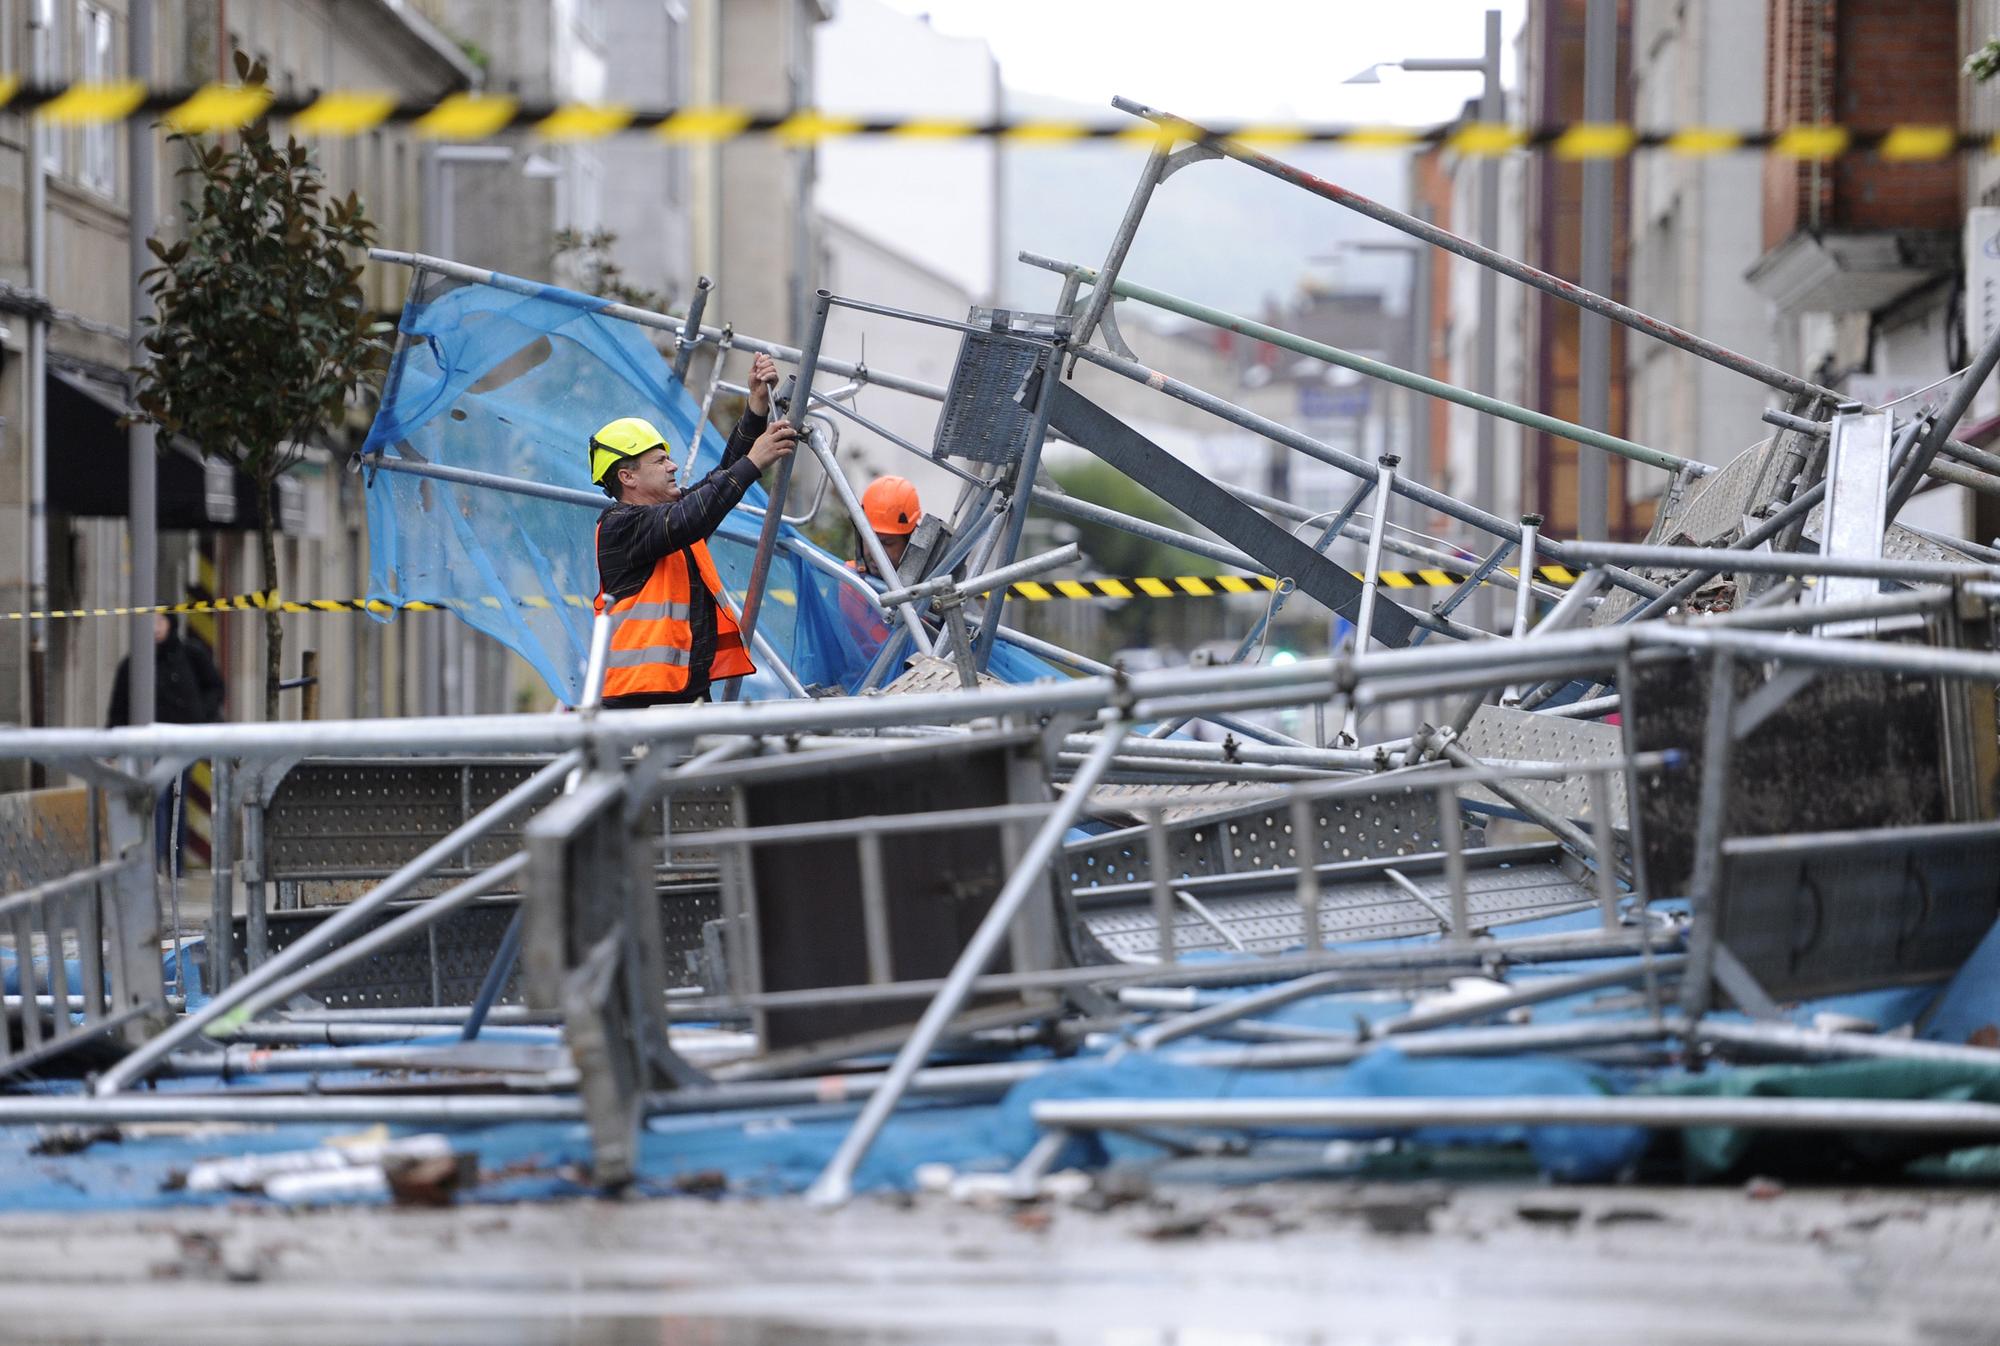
{"x": 1235, "y": 59}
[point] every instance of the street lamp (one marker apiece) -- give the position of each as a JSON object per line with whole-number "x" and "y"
{"x": 1486, "y": 357}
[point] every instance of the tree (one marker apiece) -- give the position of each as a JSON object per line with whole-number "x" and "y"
{"x": 260, "y": 332}
{"x": 1984, "y": 63}
{"x": 1115, "y": 552}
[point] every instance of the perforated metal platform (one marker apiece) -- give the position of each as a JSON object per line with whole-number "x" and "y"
{"x": 447, "y": 967}
{"x": 44, "y": 834}
{"x": 1375, "y": 907}
{"x": 1392, "y": 821}
{"x": 363, "y": 817}
{"x": 1715, "y": 507}
{"x": 981, "y": 420}
{"x": 1709, "y": 512}
{"x": 928, "y": 673}
{"x": 1898, "y": 542}
{"x": 1502, "y": 733}
{"x": 1179, "y": 802}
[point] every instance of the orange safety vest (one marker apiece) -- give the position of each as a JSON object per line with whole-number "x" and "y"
{"x": 653, "y": 644}
{"x": 861, "y": 615}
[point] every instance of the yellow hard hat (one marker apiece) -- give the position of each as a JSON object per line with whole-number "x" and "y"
{"x": 626, "y": 437}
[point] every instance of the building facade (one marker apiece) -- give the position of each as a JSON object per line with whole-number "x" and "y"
{"x": 65, "y": 212}
{"x": 1693, "y": 232}
{"x": 1553, "y": 78}
{"x": 1863, "y": 260}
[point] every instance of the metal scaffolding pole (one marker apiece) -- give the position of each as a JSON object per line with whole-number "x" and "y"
{"x": 224, "y": 1008}
{"x": 1582, "y": 651}
{"x": 1953, "y": 411}
{"x": 1448, "y": 505}
{"x": 1482, "y": 402}
{"x": 836, "y": 1184}
{"x": 1789, "y": 1114}
{"x": 877, "y": 557}
{"x": 774, "y": 506}
{"x": 1485, "y": 255}
{"x": 1780, "y": 563}
{"x": 1498, "y": 262}
{"x": 670, "y": 323}
{"x": 1009, "y": 533}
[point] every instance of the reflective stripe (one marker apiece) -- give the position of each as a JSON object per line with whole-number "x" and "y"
{"x": 651, "y": 654}
{"x": 656, "y": 612}
{"x": 651, "y": 648}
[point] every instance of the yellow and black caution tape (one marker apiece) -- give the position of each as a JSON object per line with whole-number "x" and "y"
{"x": 268, "y": 602}
{"x": 1210, "y": 586}
{"x": 1035, "y": 591}
{"x": 478, "y": 116}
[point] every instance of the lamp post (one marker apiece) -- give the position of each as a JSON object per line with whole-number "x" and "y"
{"x": 1415, "y": 425}
{"x": 1417, "y": 433}
{"x": 1486, "y": 355}
{"x": 143, "y": 508}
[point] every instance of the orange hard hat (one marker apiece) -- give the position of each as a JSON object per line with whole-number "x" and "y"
{"x": 891, "y": 506}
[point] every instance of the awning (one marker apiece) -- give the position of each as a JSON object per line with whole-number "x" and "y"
{"x": 90, "y": 469}
{"x": 1852, "y": 270}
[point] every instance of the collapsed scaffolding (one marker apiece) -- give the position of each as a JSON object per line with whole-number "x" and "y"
{"x": 961, "y": 880}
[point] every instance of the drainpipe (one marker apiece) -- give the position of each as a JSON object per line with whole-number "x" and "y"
{"x": 713, "y": 207}
{"x": 34, "y": 424}
{"x": 144, "y": 511}
{"x": 1594, "y": 375}
{"x": 798, "y": 94}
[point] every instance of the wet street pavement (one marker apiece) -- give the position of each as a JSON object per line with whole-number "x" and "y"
{"x": 1277, "y": 1265}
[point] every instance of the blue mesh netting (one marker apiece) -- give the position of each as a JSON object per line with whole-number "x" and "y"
{"x": 511, "y": 379}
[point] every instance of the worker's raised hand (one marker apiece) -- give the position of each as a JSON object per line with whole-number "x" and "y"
{"x": 763, "y": 378}
{"x": 774, "y": 445}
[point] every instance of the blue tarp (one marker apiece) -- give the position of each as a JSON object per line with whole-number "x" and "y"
{"x": 1968, "y": 1009}
{"x": 781, "y": 1150}
{"x": 513, "y": 384}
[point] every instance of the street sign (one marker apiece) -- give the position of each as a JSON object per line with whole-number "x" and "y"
{"x": 1317, "y": 402}
{"x": 1982, "y": 296}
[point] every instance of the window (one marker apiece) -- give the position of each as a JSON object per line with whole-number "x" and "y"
{"x": 48, "y": 20}
{"x": 97, "y": 160}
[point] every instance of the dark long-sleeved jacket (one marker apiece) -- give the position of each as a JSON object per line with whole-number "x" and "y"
{"x": 632, "y": 539}
{"x": 187, "y": 686}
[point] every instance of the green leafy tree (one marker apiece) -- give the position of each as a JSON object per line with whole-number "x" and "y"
{"x": 1112, "y": 551}
{"x": 260, "y": 333}
{"x": 1984, "y": 63}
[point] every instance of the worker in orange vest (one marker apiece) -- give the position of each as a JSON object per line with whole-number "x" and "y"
{"x": 893, "y": 512}
{"x": 676, "y": 631}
